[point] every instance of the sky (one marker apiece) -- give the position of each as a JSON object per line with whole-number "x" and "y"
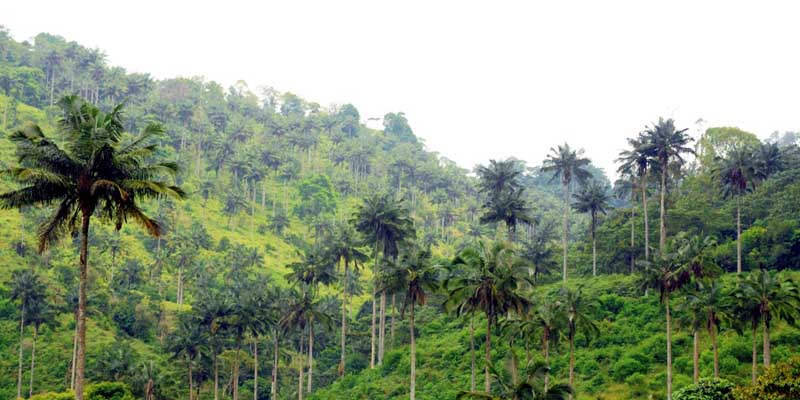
{"x": 477, "y": 80}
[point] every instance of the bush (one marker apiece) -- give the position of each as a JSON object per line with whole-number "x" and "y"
{"x": 706, "y": 389}
{"x": 626, "y": 367}
{"x": 779, "y": 382}
{"x": 97, "y": 391}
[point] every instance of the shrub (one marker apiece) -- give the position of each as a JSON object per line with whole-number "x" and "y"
{"x": 706, "y": 389}
{"x": 97, "y": 391}
{"x": 626, "y": 367}
{"x": 779, "y": 382}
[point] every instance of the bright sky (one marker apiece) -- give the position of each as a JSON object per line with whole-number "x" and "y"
{"x": 477, "y": 80}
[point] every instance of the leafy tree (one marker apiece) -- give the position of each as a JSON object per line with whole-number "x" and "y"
{"x": 490, "y": 283}
{"x": 97, "y": 170}
{"x": 592, "y": 199}
{"x": 779, "y": 382}
{"x": 707, "y": 389}
{"x": 569, "y": 165}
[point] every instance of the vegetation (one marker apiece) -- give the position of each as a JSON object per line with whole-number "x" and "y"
{"x": 268, "y": 218}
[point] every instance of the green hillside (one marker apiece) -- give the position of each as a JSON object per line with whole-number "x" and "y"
{"x": 253, "y": 258}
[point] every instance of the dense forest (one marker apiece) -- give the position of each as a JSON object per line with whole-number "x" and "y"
{"x": 166, "y": 239}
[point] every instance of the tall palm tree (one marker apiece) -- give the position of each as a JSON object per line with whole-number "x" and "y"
{"x": 734, "y": 173}
{"x": 637, "y": 162}
{"x": 570, "y": 165}
{"x": 668, "y": 146}
{"x": 28, "y": 289}
{"x": 40, "y": 312}
{"x": 187, "y": 341}
{"x": 668, "y": 272}
{"x": 578, "y": 309}
{"x": 777, "y": 296}
{"x": 711, "y": 302}
{"x": 592, "y": 199}
{"x": 384, "y": 222}
{"x": 344, "y": 246}
{"x": 500, "y": 182}
{"x": 420, "y": 279}
{"x": 213, "y": 311}
{"x": 626, "y": 187}
{"x": 530, "y": 386}
{"x": 98, "y": 170}
{"x": 549, "y": 316}
{"x": 491, "y": 283}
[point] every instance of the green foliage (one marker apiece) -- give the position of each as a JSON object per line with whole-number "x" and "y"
{"x": 97, "y": 391}
{"x": 779, "y": 382}
{"x": 706, "y": 389}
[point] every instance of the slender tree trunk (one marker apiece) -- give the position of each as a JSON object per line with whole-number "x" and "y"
{"x": 33, "y": 359}
{"x": 310, "y": 354}
{"x": 255, "y": 368}
{"x": 80, "y": 364}
{"x": 713, "y": 333}
{"x": 646, "y": 218}
{"x": 662, "y": 240}
{"x": 669, "y": 348}
{"x": 236, "y": 370}
{"x": 565, "y": 233}
{"x": 391, "y": 329}
{"x": 695, "y": 356}
{"x": 767, "y": 350}
{"x": 382, "y": 329}
{"x": 344, "y": 321}
{"x": 180, "y": 284}
{"x": 21, "y": 337}
{"x": 738, "y": 236}
{"x": 216, "y": 376}
{"x": 754, "y": 371}
{"x": 546, "y": 339}
{"x": 191, "y": 391}
{"x": 374, "y": 307}
{"x": 413, "y": 355}
{"x": 300, "y": 367}
{"x": 74, "y": 353}
{"x": 572, "y": 362}
{"x": 594, "y": 248}
{"x": 275, "y": 349}
{"x": 633, "y": 235}
{"x": 472, "y": 353}
{"x": 488, "y": 355}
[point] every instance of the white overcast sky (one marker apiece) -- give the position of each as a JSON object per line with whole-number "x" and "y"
{"x": 477, "y": 80}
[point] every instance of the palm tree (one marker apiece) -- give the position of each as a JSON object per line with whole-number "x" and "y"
{"x": 491, "y": 284}
{"x": 97, "y": 170}
{"x": 592, "y": 198}
{"x": 710, "y": 302}
{"x": 530, "y": 386}
{"x": 637, "y": 162}
{"x": 668, "y": 146}
{"x": 767, "y": 160}
{"x": 245, "y": 317}
{"x": 213, "y": 311}
{"x": 187, "y": 341}
{"x": 420, "y": 279}
{"x": 569, "y": 165}
{"x": 578, "y": 309}
{"x": 500, "y": 182}
{"x": 671, "y": 270}
{"x": 626, "y": 187}
{"x": 28, "y": 289}
{"x": 549, "y": 316}
{"x": 734, "y": 172}
{"x": 385, "y": 223}
{"x": 301, "y": 311}
{"x": 777, "y": 297}
{"x": 40, "y": 312}
{"x": 344, "y": 246}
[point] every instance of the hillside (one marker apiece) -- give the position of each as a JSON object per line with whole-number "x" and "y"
{"x": 273, "y": 180}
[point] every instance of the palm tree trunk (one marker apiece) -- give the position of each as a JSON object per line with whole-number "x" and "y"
{"x": 754, "y": 371}
{"x": 738, "y": 236}
{"x": 633, "y": 235}
{"x": 21, "y": 336}
{"x": 695, "y": 356}
{"x": 767, "y": 350}
{"x": 310, "y": 354}
{"x": 646, "y": 218}
{"x": 391, "y": 324}
{"x": 594, "y": 248}
{"x": 546, "y": 340}
{"x": 236, "y": 370}
{"x": 344, "y": 320}
{"x": 565, "y": 233}
{"x": 274, "y": 387}
{"x": 713, "y": 333}
{"x": 255, "y": 369}
{"x": 74, "y": 353}
{"x": 80, "y": 364}
{"x": 382, "y": 330}
{"x": 33, "y": 359}
{"x": 472, "y": 353}
{"x": 572, "y": 362}
{"x": 662, "y": 241}
{"x": 413, "y": 354}
{"x": 191, "y": 392}
{"x": 669, "y": 348}
{"x": 216, "y": 376}
{"x": 488, "y": 355}
{"x": 300, "y": 368}
{"x": 374, "y": 307}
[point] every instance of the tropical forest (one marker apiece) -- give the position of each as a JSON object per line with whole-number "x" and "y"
{"x": 177, "y": 238}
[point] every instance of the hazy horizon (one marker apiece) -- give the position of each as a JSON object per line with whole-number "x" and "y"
{"x": 527, "y": 77}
